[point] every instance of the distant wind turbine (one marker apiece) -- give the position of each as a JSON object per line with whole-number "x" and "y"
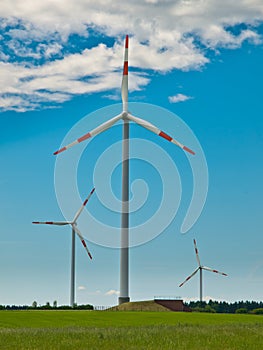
{"x": 126, "y": 117}
{"x": 200, "y": 268}
{"x": 73, "y": 224}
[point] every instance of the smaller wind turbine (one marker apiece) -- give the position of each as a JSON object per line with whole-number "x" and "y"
{"x": 73, "y": 224}
{"x": 200, "y": 268}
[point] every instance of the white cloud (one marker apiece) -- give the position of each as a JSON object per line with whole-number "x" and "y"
{"x": 93, "y": 70}
{"x": 3, "y": 56}
{"x": 179, "y": 98}
{"x": 113, "y": 97}
{"x": 116, "y": 17}
{"x": 112, "y": 292}
{"x": 44, "y": 65}
{"x": 50, "y": 50}
{"x": 219, "y": 37}
{"x": 81, "y": 288}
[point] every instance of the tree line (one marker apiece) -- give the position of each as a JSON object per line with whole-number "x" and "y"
{"x": 253, "y": 307}
{"x": 47, "y": 306}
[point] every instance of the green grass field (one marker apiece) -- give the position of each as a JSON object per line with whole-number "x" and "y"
{"x": 129, "y": 330}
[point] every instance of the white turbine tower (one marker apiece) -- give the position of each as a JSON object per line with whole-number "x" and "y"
{"x": 75, "y": 230}
{"x": 126, "y": 117}
{"x": 200, "y": 268}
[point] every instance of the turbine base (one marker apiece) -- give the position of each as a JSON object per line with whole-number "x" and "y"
{"x": 123, "y": 300}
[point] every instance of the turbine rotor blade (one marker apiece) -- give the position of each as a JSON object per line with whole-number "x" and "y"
{"x": 124, "y": 84}
{"x": 60, "y": 223}
{"x": 82, "y": 239}
{"x": 147, "y": 125}
{"x": 99, "y": 129}
{"x": 212, "y": 270}
{"x": 188, "y": 278}
{"x": 83, "y": 205}
{"x": 196, "y": 253}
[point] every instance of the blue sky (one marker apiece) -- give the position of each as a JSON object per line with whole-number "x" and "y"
{"x": 194, "y": 67}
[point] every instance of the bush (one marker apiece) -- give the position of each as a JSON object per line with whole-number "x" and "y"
{"x": 242, "y": 310}
{"x": 257, "y": 311}
{"x": 207, "y": 308}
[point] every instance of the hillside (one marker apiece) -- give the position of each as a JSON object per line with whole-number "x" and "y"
{"x": 147, "y": 305}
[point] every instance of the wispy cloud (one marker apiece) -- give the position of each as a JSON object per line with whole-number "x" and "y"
{"x": 179, "y": 98}
{"x": 112, "y": 292}
{"x": 40, "y": 62}
{"x": 81, "y": 288}
{"x": 92, "y": 70}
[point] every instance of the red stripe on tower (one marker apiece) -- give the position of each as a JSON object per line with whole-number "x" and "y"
{"x": 165, "y": 136}
{"x": 127, "y": 42}
{"x": 84, "y": 243}
{"x": 90, "y": 255}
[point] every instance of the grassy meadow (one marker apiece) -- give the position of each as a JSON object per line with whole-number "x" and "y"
{"x": 38, "y": 329}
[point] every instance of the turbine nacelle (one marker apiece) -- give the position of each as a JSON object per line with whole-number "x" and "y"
{"x": 125, "y": 116}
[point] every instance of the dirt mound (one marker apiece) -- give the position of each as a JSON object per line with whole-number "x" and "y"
{"x": 147, "y": 305}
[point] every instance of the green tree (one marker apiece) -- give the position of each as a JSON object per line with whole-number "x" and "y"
{"x": 242, "y": 310}
{"x": 258, "y": 311}
{"x": 208, "y": 308}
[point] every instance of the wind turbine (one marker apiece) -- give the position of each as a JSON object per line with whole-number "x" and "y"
{"x": 73, "y": 224}
{"x": 126, "y": 116}
{"x": 200, "y": 268}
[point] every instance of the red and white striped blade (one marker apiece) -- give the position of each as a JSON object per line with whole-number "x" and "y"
{"x": 83, "y": 205}
{"x": 82, "y": 240}
{"x": 60, "y": 223}
{"x": 212, "y": 270}
{"x": 124, "y": 85}
{"x": 99, "y": 129}
{"x": 196, "y": 253}
{"x": 145, "y": 124}
{"x": 188, "y": 278}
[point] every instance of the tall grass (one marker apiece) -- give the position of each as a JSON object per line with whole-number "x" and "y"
{"x": 128, "y": 330}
